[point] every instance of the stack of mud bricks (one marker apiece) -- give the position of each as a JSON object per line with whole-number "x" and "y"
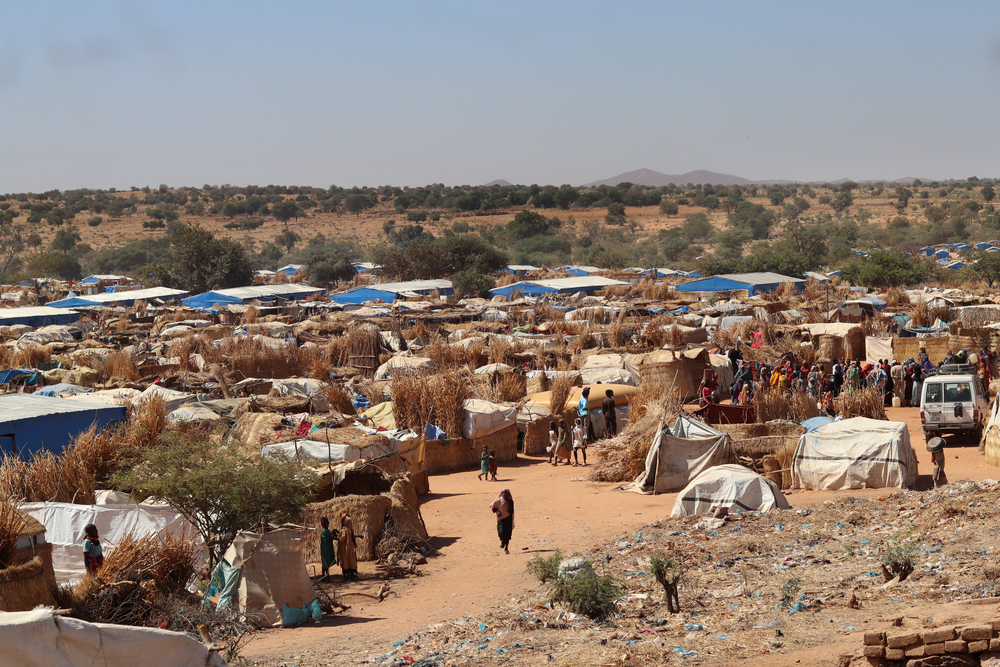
{"x": 938, "y": 641}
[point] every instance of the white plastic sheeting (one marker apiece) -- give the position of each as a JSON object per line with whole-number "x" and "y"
{"x": 404, "y": 365}
{"x": 483, "y": 418}
{"x": 732, "y": 486}
{"x": 856, "y": 453}
{"x": 680, "y": 453}
{"x": 64, "y": 523}
{"x": 39, "y": 638}
{"x": 332, "y": 452}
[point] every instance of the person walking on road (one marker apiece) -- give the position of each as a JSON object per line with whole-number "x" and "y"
{"x": 503, "y": 508}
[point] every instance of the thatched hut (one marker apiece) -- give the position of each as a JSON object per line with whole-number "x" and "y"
{"x": 29, "y": 581}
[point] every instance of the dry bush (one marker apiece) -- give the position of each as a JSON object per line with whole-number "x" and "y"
{"x": 12, "y": 522}
{"x": 506, "y": 279}
{"x": 147, "y": 418}
{"x": 650, "y": 289}
{"x": 445, "y": 356}
{"x": 251, "y": 316}
{"x": 412, "y": 403}
{"x": 559, "y": 390}
{"x": 812, "y": 290}
{"x": 340, "y": 399}
{"x": 865, "y": 402}
{"x": 543, "y": 312}
{"x": 182, "y": 349}
{"x": 502, "y": 387}
{"x": 250, "y": 357}
{"x": 476, "y": 354}
{"x": 797, "y": 406}
{"x": 448, "y": 393}
{"x": 896, "y": 297}
{"x": 612, "y": 291}
{"x": 32, "y": 355}
{"x": 648, "y": 401}
{"x": 374, "y": 391}
{"x": 616, "y": 334}
{"x": 503, "y": 352}
{"x": 122, "y": 366}
{"x": 921, "y": 315}
{"x": 622, "y": 458}
{"x": 418, "y": 330}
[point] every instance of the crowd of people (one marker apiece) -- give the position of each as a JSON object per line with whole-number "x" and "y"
{"x": 902, "y": 380}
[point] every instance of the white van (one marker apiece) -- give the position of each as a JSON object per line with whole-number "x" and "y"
{"x": 953, "y": 403}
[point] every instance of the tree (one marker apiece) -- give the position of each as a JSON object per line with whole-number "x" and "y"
{"x": 65, "y": 239}
{"x": 842, "y": 201}
{"x": 730, "y": 243}
{"x": 221, "y": 487}
{"x": 356, "y": 204}
{"x": 987, "y": 267}
{"x": 528, "y": 223}
{"x": 884, "y": 268}
{"x": 697, "y": 226}
{"x": 328, "y": 268}
{"x": 283, "y": 211}
{"x": 56, "y": 264}
{"x": 752, "y": 218}
{"x": 202, "y": 262}
{"x": 564, "y": 197}
{"x": 12, "y": 242}
{"x": 288, "y": 239}
{"x": 473, "y": 283}
{"x": 988, "y": 193}
{"x": 668, "y": 207}
{"x": 616, "y": 214}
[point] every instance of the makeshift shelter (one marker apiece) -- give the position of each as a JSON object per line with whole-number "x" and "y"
{"x": 766, "y": 448}
{"x": 30, "y": 423}
{"x": 390, "y": 292}
{"x": 124, "y": 298}
{"x": 42, "y": 638}
{"x": 402, "y": 364}
{"x": 754, "y": 283}
{"x": 855, "y": 453}
{"x": 732, "y": 486}
{"x": 240, "y": 295}
{"x": 36, "y": 316}
{"x": 836, "y": 340}
{"x": 28, "y": 580}
{"x": 582, "y": 283}
{"x": 273, "y": 582}
{"x": 483, "y": 418}
{"x": 680, "y": 453}
{"x": 683, "y": 370}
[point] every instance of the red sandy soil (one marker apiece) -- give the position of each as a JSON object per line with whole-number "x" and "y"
{"x": 554, "y": 509}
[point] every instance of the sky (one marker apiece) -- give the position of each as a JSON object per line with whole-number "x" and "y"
{"x": 120, "y": 94}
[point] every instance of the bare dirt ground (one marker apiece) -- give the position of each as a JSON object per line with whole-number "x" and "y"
{"x": 471, "y": 577}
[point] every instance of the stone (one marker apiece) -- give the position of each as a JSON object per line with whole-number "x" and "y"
{"x": 895, "y": 654}
{"x": 979, "y": 646}
{"x": 876, "y": 638}
{"x": 989, "y": 659}
{"x": 916, "y": 651}
{"x": 934, "y": 649}
{"x": 977, "y": 633}
{"x": 953, "y": 660}
{"x": 874, "y": 651}
{"x": 938, "y": 635}
{"x": 995, "y": 644}
{"x": 995, "y": 623}
{"x": 956, "y": 646}
{"x": 903, "y": 641}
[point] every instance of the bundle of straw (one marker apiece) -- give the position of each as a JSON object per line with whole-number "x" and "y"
{"x": 448, "y": 394}
{"x": 412, "y": 404}
{"x": 865, "y": 402}
{"x": 503, "y": 387}
{"x": 340, "y": 399}
{"x": 12, "y": 522}
{"x": 364, "y": 343}
{"x": 622, "y": 458}
{"x": 559, "y": 389}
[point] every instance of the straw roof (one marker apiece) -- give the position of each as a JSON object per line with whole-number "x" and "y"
{"x": 32, "y": 526}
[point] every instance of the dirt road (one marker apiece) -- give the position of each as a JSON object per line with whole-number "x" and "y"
{"x": 555, "y": 509}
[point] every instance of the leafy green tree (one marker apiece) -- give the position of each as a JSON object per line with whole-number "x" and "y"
{"x": 730, "y": 243}
{"x": 356, "y": 204}
{"x": 673, "y": 248}
{"x": 285, "y": 210}
{"x": 271, "y": 254}
{"x": 544, "y": 199}
{"x": 697, "y": 226}
{"x": 288, "y": 239}
{"x": 12, "y": 243}
{"x": 988, "y": 193}
{"x": 842, "y": 201}
{"x": 202, "y": 262}
{"x": 325, "y": 269}
{"x": 53, "y": 264}
{"x": 752, "y": 218}
{"x": 221, "y": 486}
{"x": 473, "y": 283}
{"x": 616, "y": 214}
{"x": 987, "y": 267}
{"x": 65, "y": 239}
{"x": 564, "y": 197}
{"x": 527, "y": 224}
{"x": 884, "y": 268}
{"x": 668, "y": 207}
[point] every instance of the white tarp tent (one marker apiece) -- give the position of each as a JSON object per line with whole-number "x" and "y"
{"x": 403, "y": 364}
{"x": 733, "y": 486}
{"x": 64, "y": 524}
{"x": 878, "y": 348}
{"x": 39, "y": 638}
{"x": 272, "y": 573}
{"x": 681, "y": 452}
{"x": 856, "y": 453}
{"x": 332, "y": 452}
{"x": 484, "y": 417}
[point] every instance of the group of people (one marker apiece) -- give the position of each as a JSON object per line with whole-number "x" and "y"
{"x": 346, "y": 550}
{"x": 564, "y": 441}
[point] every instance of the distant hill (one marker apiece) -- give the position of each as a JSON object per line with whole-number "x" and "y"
{"x": 502, "y": 183}
{"x": 656, "y": 179}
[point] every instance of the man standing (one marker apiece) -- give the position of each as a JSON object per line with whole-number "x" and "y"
{"x": 608, "y": 410}
{"x": 583, "y": 412}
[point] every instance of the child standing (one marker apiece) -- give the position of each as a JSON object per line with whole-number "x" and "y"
{"x": 93, "y": 554}
{"x": 484, "y": 465}
{"x": 493, "y": 464}
{"x": 579, "y": 441}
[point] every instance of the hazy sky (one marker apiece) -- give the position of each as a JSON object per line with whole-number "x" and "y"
{"x": 96, "y": 94}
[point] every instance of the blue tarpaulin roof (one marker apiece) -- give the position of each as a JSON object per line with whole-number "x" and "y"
{"x": 62, "y": 388}
{"x": 239, "y": 295}
{"x": 30, "y": 423}
{"x": 816, "y": 422}
{"x": 36, "y": 316}
{"x": 11, "y": 373}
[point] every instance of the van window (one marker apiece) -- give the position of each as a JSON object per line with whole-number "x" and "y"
{"x": 957, "y": 392}
{"x": 932, "y": 392}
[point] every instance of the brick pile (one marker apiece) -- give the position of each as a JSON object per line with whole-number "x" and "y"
{"x": 967, "y": 639}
